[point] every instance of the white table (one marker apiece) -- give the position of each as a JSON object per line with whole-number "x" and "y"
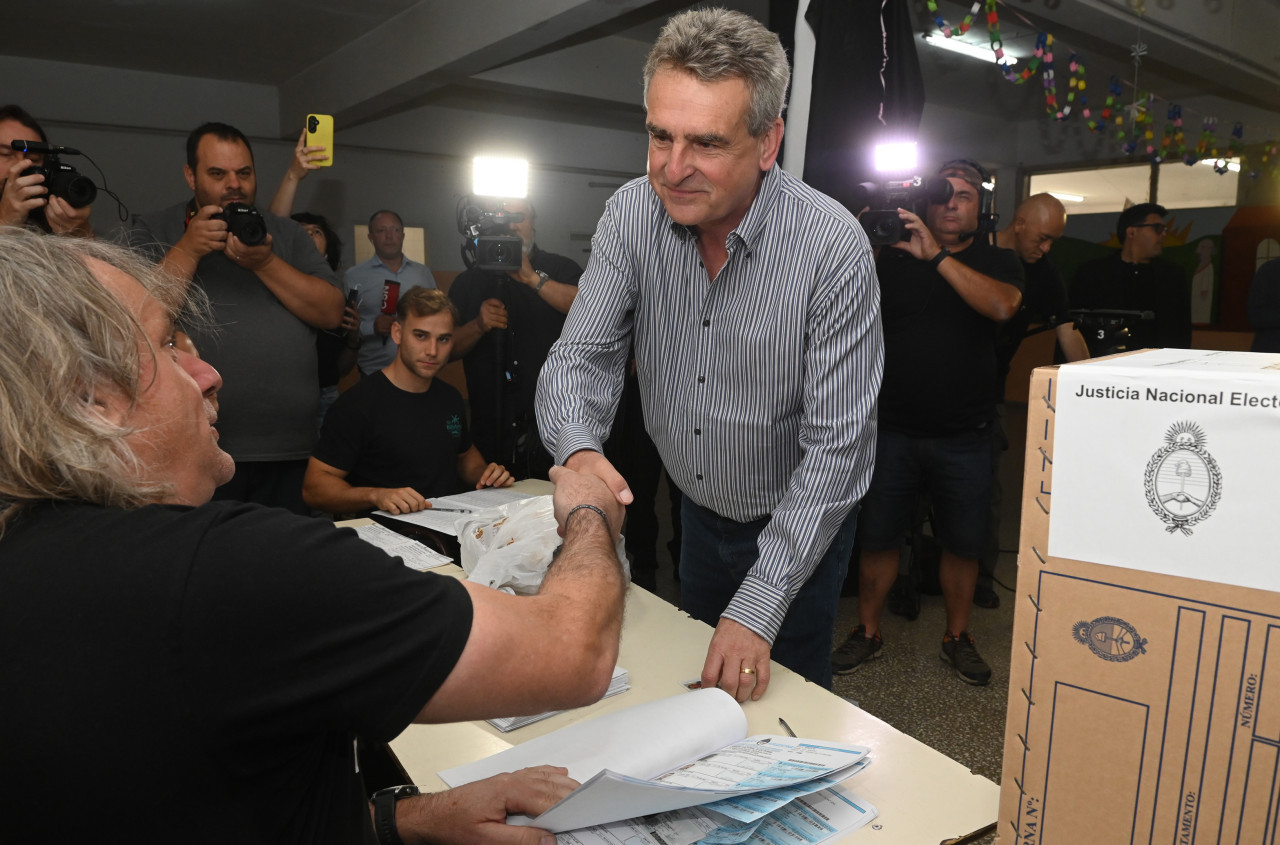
{"x": 922, "y": 795}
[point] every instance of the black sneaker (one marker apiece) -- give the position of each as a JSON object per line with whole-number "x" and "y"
{"x": 963, "y": 656}
{"x": 857, "y": 649}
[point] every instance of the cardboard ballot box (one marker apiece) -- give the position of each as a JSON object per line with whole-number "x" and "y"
{"x": 1144, "y": 693}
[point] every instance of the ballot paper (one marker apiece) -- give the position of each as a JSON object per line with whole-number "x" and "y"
{"x": 411, "y": 553}
{"x": 445, "y": 511}
{"x": 664, "y": 755}
{"x": 620, "y": 682}
{"x": 804, "y": 820}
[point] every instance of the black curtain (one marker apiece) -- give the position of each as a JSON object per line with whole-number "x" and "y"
{"x": 853, "y": 106}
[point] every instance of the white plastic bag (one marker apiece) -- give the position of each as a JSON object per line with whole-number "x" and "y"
{"x": 510, "y": 547}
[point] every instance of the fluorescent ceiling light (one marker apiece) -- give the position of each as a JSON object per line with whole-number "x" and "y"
{"x": 898, "y": 157}
{"x": 964, "y": 48}
{"x": 1067, "y": 197}
{"x": 1232, "y": 164}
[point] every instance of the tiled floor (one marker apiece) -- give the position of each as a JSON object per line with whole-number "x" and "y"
{"x": 909, "y": 686}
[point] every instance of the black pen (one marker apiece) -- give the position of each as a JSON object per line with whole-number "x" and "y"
{"x": 450, "y": 510}
{"x": 786, "y": 727}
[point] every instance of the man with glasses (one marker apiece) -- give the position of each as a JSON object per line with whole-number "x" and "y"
{"x": 1135, "y": 278}
{"x": 379, "y": 282}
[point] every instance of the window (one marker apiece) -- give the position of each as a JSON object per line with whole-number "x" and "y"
{"x": 1110, "y": 189}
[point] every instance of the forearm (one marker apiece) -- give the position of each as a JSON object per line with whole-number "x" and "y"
{"x": 1072, "y": 342}
{"x": 180, "y": 262}
{"x": 331, "y": 494}
{"x": 465, "y": 338}
{"x": 309, "y": 298}
{"x": 558, "y": 295}
{"x": 282, "y": 203}
{"x": 990, "y": 297}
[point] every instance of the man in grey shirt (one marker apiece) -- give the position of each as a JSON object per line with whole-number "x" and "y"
{"x": 753, "y": 307}
{"x": 268, "y": 299}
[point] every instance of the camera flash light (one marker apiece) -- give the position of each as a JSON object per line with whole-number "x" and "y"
{"x": 500, "y": 177}
{"x": 898, "y": 157}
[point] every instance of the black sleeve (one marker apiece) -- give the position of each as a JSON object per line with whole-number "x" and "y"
{"x": 342, "y": 434}
{"x": 293, "y": 627}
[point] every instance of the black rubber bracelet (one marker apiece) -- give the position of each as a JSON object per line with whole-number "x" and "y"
{"x": 384, "y": 813}
{"x": 577, "y": 508}
{"x": 937, "y": 259}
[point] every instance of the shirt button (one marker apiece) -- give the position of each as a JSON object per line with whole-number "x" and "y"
{"x": 699, "y": 476}
{"x": 701, "y": 379}
{"x": 706, "y": 322}
{"x": 698, "y": 431}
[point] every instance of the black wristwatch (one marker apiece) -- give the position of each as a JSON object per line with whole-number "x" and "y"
{"x": 384, "y": 812}
{"x": 943, "y": 253}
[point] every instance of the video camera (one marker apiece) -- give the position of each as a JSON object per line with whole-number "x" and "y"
{"x": 883, "y": 199}
{"x": 245, "y": 222}
{"x": 488, "y": 242}
{"x": 61, "y": 179}
{"x": 1107, "y": 331}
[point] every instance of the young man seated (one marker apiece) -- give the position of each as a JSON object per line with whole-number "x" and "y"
{"x": 399, "y": 437}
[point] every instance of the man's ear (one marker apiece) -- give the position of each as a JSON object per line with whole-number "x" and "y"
{"x": 191, "y": 176}
{"x": 770, "y": 144}
{"x": 396, "y": 332}
{"x": 109, "y": 404}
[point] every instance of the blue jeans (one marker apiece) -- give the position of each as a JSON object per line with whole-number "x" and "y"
{"x": 715, "y": 555}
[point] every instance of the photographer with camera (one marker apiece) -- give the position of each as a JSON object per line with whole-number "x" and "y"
{"x": 25, "y": 197}
{"x": 507, "y": 322}
{"x": 270, "y": 289}
{"x": 944, "y": 293}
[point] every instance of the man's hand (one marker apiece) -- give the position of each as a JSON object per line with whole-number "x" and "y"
{"x": 735, "y": 647}
{"x": 351, "y": 321}
{"x": 495, "y": 475}
{"x": 922, "y": 245}
{"x": 65, "y": 219}
{"x": 204, "y": 234}
{"x": 477, "y": 812}
{"x": 590, "y": 462}
{"x": 253, "y": 258}
{"x": 493, "y": 315}
{"x": 382, "y": 324}
{"x": 575, "y": 488}
{"x": 306, "y": 159}
{"x": 525, "y": 275}
{"x": 398, "y": 500}
{"x": 22, "y": 194}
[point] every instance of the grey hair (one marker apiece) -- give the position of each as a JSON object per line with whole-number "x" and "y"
{"x": 65, "y": 342}
{"x": 717, "y": 44}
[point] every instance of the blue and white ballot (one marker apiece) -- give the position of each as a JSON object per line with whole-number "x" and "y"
{"x": 1167, "y": 461}
{"x": 664, "y": 755}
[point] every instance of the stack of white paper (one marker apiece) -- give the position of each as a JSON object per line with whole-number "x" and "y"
{"x": 620, "y": 682}
{"x": 411, "y": 553}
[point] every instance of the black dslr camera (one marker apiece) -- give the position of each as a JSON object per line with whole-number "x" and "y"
{"x": 488, "y": 242}
{"x": 883, "y": 199}
{"x": 245, "y": 222}
{"x": 61, "y": 179}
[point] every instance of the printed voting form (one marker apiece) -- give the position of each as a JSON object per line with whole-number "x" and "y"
{"x": 667, "y": 755}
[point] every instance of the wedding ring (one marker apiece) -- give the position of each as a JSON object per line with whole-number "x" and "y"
{"x": 748, "y": 671}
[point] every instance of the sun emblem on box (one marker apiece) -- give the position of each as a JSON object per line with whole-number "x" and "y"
{"x": 1182, "y": 481}
{"x": 1111, "y": 638}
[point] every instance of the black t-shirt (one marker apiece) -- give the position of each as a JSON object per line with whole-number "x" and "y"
{"x": 532, "y": 327}
{"x": 1157, "y": 286}
{"x": 939, "y": 354}
{"x": 387, "y": 437}
{"x": 199, "y": 673}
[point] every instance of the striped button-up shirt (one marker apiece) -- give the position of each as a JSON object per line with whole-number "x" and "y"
{"x": 759, "y": 388}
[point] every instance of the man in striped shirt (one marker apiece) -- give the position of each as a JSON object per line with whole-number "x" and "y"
{"x": 752, "y": 304}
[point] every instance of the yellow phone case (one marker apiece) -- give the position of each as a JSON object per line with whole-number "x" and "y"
{"x": 320, "y": 133}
